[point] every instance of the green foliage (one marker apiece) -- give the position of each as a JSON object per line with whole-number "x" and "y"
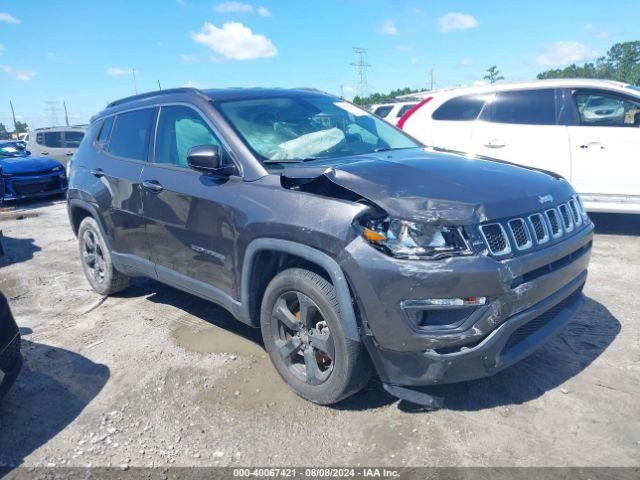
{"x": 21, "y": 127}
{"x": 4, "y": 134}
{"x": 622, "y": 63}
{"x": 381, "y": 97}
{"x": 493, "y": 74}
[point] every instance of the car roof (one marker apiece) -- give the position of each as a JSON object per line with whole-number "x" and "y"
{"x": 60, "y": 129}
{"x": 214, "y": 95}
{"x": 535, "y": 84}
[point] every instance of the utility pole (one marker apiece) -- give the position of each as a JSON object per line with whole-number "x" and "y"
{"x": 159, "y": 86}
{"x": 361, "y": 65}
{"x": 66, "y": 115}
{"x": 135, "y": 83}
{"x": 433, "y": 80}
{"x": 13, "y": 113}
{"x": 341, "y": 91}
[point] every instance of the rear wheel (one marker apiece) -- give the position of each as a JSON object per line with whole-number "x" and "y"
{"x": 96, "y": 260}
{"x": 303, "y": 334}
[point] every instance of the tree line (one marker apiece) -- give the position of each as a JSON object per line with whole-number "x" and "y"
{"x": 5, "y": 134}
{"x": 621, "y": 63}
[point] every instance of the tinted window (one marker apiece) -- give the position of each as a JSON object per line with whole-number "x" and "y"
{"x": 530, "y": 107}
{"x": 40, "y": 138}
{"x": 130, "y": 136}
{"x": 73, "y": 139}
{"x": 180, "y": 129}
{"x": 608, "y": 110}
{"x": 105, "y": 131}
{"x": 405, "y": 109}
{"x": 383, "y": 111}
{"x": 53, "y": 139}
{"x": 460, "y": 109}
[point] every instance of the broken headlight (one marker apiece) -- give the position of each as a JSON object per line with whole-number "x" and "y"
{"x": 411, "y": 240}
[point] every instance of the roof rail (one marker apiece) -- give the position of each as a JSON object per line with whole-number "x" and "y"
{"x": 142, "y": 96}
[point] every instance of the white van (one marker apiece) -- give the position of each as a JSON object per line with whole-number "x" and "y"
{"x": 588, "y": 131}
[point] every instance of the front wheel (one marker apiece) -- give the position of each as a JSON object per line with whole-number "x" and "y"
{"x": 303, "y": 334}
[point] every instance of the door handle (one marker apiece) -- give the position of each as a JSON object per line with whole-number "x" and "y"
{"x": 44, "y": 153}
{"x": 68, "y": 154}
{"x": 153, "y": 186}
{"x": 97, "y": 172}
{"x": 495, "y": 143}
{"x": 592, "y": 144}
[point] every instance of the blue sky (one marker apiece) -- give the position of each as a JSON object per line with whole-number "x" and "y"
{"x": 82, "y": 52}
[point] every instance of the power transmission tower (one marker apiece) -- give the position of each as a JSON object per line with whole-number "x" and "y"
{"x": 361, "y": 65}
{"x": 53, "y": 108}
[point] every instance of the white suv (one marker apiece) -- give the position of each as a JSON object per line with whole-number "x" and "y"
{"x": 588, "y": 131}
{"x": 392, "y": 112}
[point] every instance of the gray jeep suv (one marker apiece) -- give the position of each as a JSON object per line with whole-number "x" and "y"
{"x": 351, "y": 246}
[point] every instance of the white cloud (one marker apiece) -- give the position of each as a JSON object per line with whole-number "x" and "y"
{"x": 50, "y": 55}
{"x": 18, "y": 73}
{"x": 264, "y": 12}
{"x": 235, "y": 41}
{"x": 2, "y": 49}
{"x": 588, "y": 26}
{"x": 115, "y": 71}
{"x": 564, "y": 53}
{"x": 389, "y": 28}
{"x": 233, "y": 7}
{"x": 191, "y": 84}
{"x": 348, "y": 89}
{"x": 7, "y": 17}
{"x": 188, "y": 58}
{"x": 457, "y": 21}
{"x": 603, "y": 34}
{"x": 466, "y": 62}
{"x": 239, "y": 7}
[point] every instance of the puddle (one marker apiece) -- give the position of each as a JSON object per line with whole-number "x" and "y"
{"x": 252, "y": 386}
{"x": 213, "y": 339}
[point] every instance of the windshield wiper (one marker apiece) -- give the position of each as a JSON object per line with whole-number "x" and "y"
{"x": 291, "y": 160}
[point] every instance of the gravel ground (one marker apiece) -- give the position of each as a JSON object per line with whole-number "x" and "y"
{"x": 157, "y": 377}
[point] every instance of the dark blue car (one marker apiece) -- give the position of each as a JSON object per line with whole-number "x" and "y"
{"x": 24, "y": 176}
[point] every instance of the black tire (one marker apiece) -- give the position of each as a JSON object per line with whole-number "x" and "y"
{"x": 96, "y": 260}
{"x": 342, "y": 366}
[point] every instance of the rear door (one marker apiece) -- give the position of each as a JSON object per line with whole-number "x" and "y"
{"x": 524, "y": 127}
{"x": 49, "y": 144}
{"x": 605, "y": 144}
{"x": 123, "y": 143}
{"x": 71, "y": 141}
{"x": 190, "y": 227}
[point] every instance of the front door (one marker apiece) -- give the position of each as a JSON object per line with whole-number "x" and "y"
{"x": 190, "y": 231}
{"x": 605, "y": 146}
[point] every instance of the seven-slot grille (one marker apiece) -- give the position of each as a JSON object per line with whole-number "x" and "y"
{"x": 540, "y": 227}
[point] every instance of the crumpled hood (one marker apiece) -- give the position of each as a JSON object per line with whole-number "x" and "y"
{"x": 428, "y": 186}
{"x": 26, "y": 165}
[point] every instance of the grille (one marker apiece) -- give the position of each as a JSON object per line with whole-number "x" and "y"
{"x": 534, "y": 325}
{"x": 520, "y": 233}
{"x": 566, "y": 219}
{"x": 574, "y": 212}
{"x": 554, "y": 222}
{"x": 29, "y": 188}
{"x": 9, "y": 356}
{"x": 496, "y": 239}
{"x": 539, "y": 228}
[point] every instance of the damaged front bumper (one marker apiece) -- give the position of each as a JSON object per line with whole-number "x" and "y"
{"x": 529, "y": 298}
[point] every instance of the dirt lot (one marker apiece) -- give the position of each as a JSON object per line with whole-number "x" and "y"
{"x": 158, "y": 377}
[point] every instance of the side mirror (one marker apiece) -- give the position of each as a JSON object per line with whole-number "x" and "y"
{"x": 207, "y": 159}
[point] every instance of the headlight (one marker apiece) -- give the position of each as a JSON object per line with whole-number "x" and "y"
{"x": 410, "y": 240}
{"x": 585, "y": 217}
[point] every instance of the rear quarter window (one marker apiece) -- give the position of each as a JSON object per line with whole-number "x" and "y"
{"x": 465, "y": 108}
{"x": 72, "y": 139}
{"x": 405, "y": 109}
{"x": 383, "y": 111}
